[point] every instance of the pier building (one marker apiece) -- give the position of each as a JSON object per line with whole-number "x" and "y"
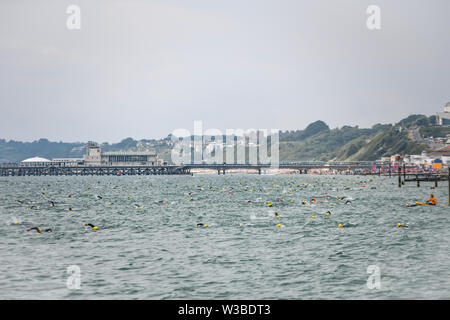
{"x": 95, "y": 157}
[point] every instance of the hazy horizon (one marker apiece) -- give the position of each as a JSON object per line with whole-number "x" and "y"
{"x": 142, "y": 69}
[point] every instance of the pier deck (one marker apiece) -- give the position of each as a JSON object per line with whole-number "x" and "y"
{"x": 92, "y": 170}
{"x": 84, "y": 170}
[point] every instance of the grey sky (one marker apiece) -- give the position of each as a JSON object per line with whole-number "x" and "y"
{"x": 142, "y": 68}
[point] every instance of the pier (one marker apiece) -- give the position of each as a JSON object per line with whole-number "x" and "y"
{"x": 91, "y": 170}
{"x": 426, "y": 177}
{"x": 86, "y": 170}
{"x": 299, "y": 167}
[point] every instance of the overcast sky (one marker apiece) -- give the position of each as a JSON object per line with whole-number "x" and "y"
{"x": 143, "y": 68}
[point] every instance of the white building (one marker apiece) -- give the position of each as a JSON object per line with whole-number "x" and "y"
{"x": 35, "y": 162}
{"x": 95, "y": 157}
{"x": 67, "y": 162}
{"x": 443, "y": 118}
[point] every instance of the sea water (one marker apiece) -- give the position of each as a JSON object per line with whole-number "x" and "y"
{"x": 148, "y": 245}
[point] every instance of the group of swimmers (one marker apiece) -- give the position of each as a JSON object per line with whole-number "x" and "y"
{"x": 40, "y": 230}
{"x": 348, "y": 200}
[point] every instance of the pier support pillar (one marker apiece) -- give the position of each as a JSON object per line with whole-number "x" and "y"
{"x": 449, "y": 186}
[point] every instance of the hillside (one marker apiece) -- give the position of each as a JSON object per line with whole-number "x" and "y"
{"x": 355, "y": 144}
{"x": 337, "y": 144}
{"x": 384, "y": 143}
{"x": 316, "y": 142}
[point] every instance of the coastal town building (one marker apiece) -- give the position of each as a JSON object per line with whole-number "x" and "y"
{"x": 444, "y": 152}
{"x": 443, "y": 118}
{"x": 429, "y": 160}
{"x": 95, "y": 157}
{"x": 35, "y": 162}
{"x": 67, "y": 162}
{"x": 59, "y": 162}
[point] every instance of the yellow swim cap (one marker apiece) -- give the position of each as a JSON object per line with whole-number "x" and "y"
{"x": 16, "y": 222}
{"x": 292, "y": 201}
{"x": 399, "y": 224}
{"x": 270, "y": 204}
{"x": 278, "y": 225}
{"x": 38, "y": 233}
{"x": 95, "y": 228}
{"x": 205, "y": 225}
{"x": 313, "y": 217}
{"x": 340, "y": 226}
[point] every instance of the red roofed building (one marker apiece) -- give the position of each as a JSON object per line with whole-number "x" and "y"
{"x": 444, "y": 152}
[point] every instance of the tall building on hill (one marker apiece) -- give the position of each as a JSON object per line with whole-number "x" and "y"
{"x": 443, "y": 118}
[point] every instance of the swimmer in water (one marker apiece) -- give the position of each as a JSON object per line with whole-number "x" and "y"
{"x": 277, "y": 215}
{"x": 200, "y": 225}
{"x": 91, "y": 225}
{"x": 39, "y": 230}
{"x": 249, "y": 202}
{"x": 401, "y": 225}
{"x": 52, "y": 204}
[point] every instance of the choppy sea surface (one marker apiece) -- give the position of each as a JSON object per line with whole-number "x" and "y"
{"x": 148, "y": 245}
